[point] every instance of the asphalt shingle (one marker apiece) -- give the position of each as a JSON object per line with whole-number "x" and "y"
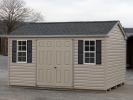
{"x": 128, "y": 30}
{"x": 66, "y": 28}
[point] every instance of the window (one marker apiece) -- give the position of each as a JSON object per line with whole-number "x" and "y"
{"x": 89, "y": 51}
{"x": 22, "y": 51}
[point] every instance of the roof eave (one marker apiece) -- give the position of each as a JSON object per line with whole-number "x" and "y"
{"x": 3, "y": 35}
{"x": 54, "y": 36}
{"x": 124, "y": 33}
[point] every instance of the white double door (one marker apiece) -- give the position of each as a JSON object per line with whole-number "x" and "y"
{"x": 54, "y": 62}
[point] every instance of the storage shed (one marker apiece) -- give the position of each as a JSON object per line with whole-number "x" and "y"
{"x": 129, "y": 33}
{"x": 77, "y": 55}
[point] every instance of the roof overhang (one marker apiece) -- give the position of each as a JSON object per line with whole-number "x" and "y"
{"x": 56, "y": 36}
{"x": 121, "y": 28}
{"x": 3, "y": 35}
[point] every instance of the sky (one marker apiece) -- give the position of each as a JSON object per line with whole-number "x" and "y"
{"x": 84, "y": 10}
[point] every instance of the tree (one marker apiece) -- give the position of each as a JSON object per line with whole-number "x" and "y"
{"x": 14, "y": 12}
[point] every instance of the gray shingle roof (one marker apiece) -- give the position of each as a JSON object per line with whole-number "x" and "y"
{"x": 128, "y": 31}
{"x": 66, "y": 28}
{"x": 1, "y": 33}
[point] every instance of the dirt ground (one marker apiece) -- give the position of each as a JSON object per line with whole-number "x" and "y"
{"x": 18, "y": 93}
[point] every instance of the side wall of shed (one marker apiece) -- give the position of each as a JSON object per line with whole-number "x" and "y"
{"x": 22, "y": 74}
{"x": 116, "y": 58}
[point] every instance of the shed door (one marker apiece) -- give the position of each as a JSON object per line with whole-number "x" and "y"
{"x": 54, "y": 62}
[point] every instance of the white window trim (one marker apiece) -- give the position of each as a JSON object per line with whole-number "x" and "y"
{"x": 89, "y": 51}
{"x": 22, "y": 51}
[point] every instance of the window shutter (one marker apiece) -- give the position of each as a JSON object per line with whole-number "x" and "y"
{"x": 29, "y": 51}
{"x": 14, "y": 51}
{"x": 80, "y": 51}
{"x": 98, "y": 52}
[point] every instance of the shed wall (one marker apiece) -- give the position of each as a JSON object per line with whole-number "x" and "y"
{"x": 89, "y": 76}
{"x": 86, "y": 76}
{"x": 23, "y": 74}
{"x": 116, "y": 58}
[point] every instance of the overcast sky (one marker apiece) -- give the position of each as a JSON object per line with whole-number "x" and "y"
{"x": 85, "y": 10}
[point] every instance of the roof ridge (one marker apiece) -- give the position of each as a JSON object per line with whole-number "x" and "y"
{"x": 73, "y": 22}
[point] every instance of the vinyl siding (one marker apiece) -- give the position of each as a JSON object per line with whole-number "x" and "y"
{"x": 116, "y": 58}
{"x": 22, "y": 74}
{"x": 89, "y": 76}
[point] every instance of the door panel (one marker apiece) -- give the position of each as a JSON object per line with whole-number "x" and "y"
{"x": 65, "y": 65}
{"x": 54, "y": 62}
{"x": 45, "y": 62}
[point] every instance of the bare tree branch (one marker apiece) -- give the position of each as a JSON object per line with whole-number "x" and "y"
{"x": 14, "y": 12}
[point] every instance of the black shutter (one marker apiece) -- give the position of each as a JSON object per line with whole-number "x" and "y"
{"x": 98, "y": 52}
{"x": 14, "y": 50}
{"x": 80, "y": 51}
{"x": 29, "y": 51}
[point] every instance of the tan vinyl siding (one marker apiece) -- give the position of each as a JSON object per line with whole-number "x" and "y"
{"x": 23, "y": 74}
{"x": 89, "y": 76}
{"x": 116, "y": 58}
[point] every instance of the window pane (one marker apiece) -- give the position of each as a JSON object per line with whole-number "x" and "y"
{"x": 91, "y": 54}
{"x": 19, "y": 48}
{"x": 24, "y": 48}
{"x": 91, "y": 60}
{"x": 92, "y": 48}
{"x": 19, "y": 59}
{"x": 19, "y": 42}
{"x": 23, "y": 42}
{"x": 86, "y": 48}
{"x": 23, "y": 58}
{"x": 19, "y": 54}
{"x": 92, "y": 42}
{"x": 86, "y": 60}
{"x": 22, "y": 54}
{"x": 87, "y": 54}
{"x": 86, "y": 42}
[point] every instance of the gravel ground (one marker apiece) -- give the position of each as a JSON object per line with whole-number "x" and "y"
{"x": 17, "y": 93}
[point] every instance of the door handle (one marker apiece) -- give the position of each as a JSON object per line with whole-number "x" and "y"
{"x": 55, "y": 67}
